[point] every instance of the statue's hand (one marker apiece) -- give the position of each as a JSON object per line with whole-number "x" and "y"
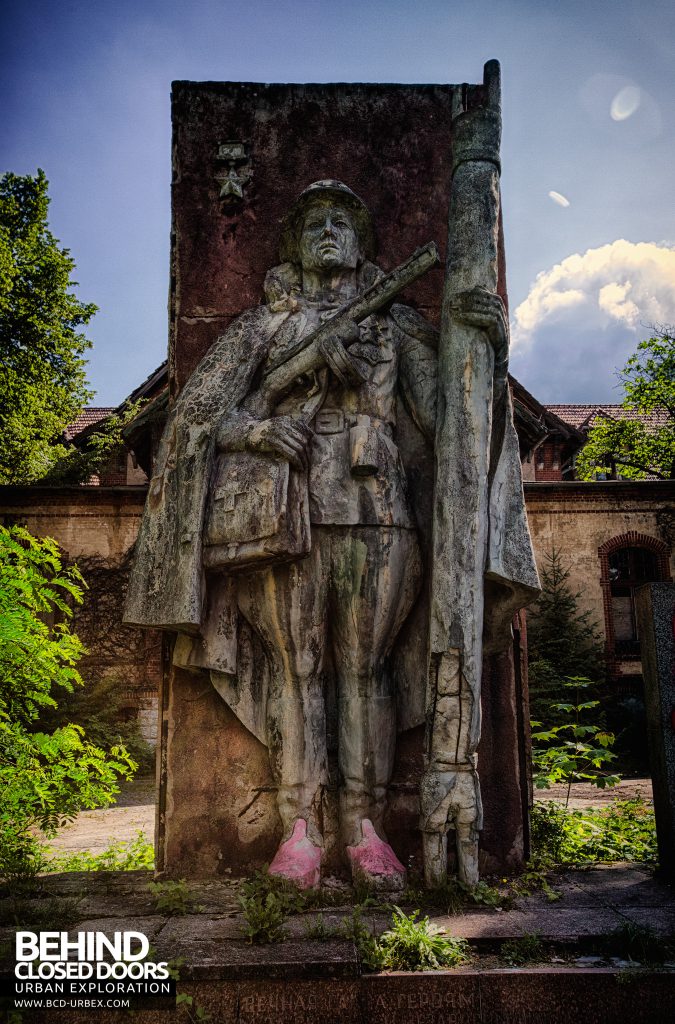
{"x": 345, "y": 332}
{"x": 334, "y": 351}
{"x": 484, "y": 309}
{"x": 282, "y": 436}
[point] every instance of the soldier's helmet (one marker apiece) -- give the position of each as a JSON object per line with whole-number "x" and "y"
{"x": 321, "y": 191}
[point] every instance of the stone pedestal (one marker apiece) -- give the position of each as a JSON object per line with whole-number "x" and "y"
{"x": 656, "y": 624}
{"x": 242, "y": 152}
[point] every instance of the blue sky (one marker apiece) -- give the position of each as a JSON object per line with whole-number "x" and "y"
{"x": 589, "y": 114}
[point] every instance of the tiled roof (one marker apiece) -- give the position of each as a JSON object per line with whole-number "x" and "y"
{"x": 581, "y": 416}
{"x": 87, "y": 418}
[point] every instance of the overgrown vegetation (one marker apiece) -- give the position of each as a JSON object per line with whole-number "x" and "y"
{"x": 266, "y": 901}
{"x": 136, "y": 855}
{"x": 46, "y": 778}
{"x": 77, "y": 462}
{"x": 624, "y": 830}
{"x": 634, "y": 942}
{"x": 627, "y": 445}
{"x": 410, "y": 944}
{"x": 43, "y": 385}
{"x": 100, "y": 708}
{"x": 453, "y": 896}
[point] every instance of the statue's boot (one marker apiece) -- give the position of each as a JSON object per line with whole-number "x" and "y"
{"x": 298, "y": 859}
{"x": 374, "y": 862}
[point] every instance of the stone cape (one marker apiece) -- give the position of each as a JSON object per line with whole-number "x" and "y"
{"x": 167, "y": 588}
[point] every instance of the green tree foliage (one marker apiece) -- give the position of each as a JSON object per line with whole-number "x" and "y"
{"x": 42, "y": 372}
{"x": 628, "y": 445}
{"x": 563, "y": 643}
{"x": 45, "y": 778}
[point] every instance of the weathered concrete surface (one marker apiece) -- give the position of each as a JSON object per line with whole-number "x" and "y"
{"x": 305, "y": 980}
{"x": 592, "y": 903}
{"x": 217, "y": 808}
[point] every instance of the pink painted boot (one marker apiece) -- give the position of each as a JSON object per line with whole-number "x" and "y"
{"x": 298, "y": 859}
{"x": 374, "y": 861}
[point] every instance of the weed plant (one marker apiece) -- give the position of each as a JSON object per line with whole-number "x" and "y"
{"x": 172, "y": 897}
{"x": 367, "y": 947}
{"x": 528, "y": 949}
{"x": 413, "y": 944}
{"x": 266, "y": 901}
{"x": 317, "y": 929}
{"x": 265, "y": 916}
{"x": 575, "y": 750}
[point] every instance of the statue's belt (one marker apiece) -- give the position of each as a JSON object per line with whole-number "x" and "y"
{"x": 335, "y": 421}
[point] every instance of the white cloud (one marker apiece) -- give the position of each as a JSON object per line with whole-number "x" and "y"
{"x": 612, "y": 298}
{"x": 625, "y": 281}
{"x": 584, "y": 316}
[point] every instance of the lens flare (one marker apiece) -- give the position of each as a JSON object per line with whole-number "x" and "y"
{"x": 625, "y": 103}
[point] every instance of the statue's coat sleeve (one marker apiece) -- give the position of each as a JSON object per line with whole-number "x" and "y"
{"x": 166, "y": 587}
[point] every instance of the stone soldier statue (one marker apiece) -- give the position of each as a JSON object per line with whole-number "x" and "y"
{"x": 279, "y": 533}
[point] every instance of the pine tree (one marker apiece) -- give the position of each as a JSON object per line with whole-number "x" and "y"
{"x": 563, "y": 642}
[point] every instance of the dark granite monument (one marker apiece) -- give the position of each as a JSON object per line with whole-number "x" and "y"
{"x": 335, "y": 539}
{"x": 655, "y": 607}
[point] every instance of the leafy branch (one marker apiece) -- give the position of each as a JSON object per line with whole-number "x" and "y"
{"x": 574, "y": 751}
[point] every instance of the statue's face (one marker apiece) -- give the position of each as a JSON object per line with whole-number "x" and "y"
{"x": 328, "y": 240}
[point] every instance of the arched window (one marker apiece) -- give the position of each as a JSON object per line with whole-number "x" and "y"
{"x": 629, "y": 568}
{"x": 627, "y": 562}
